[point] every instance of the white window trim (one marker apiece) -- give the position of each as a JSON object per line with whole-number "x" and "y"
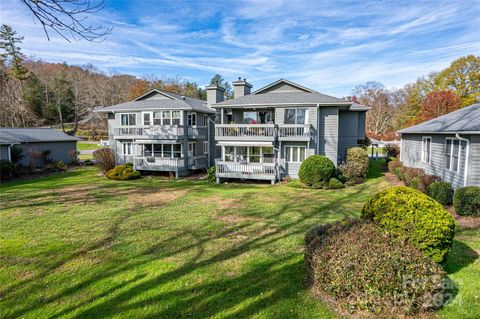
{"x": 134, "y": 114}
{"x": 205, "y": 120}
{"x": 296, "y": 109}
{"x": 451, "y": 154}
{"x": 205, "y": 147}
{"x": 161, "y": 117}
{"x": 262, "y": 159}
{"x": 123, "y": 148}
{"x": 181, "y": 149}
{"x": 424, "y": 139}
{"x": 190, "y": 116}
{"x": 296, "y": 147}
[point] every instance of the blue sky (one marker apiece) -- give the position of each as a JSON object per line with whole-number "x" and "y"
{"x": 330, "y": 46}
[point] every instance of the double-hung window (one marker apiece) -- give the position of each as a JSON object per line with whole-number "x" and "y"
{"x": 295, "y": 116}
{"x": 128, "y": 119}
{"x": 205, "y": 147}
{"x": 127, "y": 148}
{"x": 205, "y": 120}
{"x": 192, "y": 119}
{"x": 163, "y": 150}
{"x": 161, "y": 118}
{"x": 452, "y": 154}
{"x": 426, "y": 149}
{"x": 295, "y": 154}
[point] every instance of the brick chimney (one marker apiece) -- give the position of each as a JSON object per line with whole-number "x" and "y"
{"x": 241, "y": 87}
{"x": 214, "y": 94}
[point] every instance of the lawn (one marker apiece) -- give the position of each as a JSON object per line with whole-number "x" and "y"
{"x": 90, "y": 146}
{"x": 75, "y": 245}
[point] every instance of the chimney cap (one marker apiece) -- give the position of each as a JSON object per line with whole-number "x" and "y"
{"x": 214, "y": 87}
{"x": 241, "y": 82}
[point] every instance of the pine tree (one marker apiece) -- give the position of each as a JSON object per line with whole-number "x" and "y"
{"x": 12, "y": 55}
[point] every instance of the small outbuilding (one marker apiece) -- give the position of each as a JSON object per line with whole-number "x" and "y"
{"x": 37, "y": 144}
{"x": 447, "y": 146}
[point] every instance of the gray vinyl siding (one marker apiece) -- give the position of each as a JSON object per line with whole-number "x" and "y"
{"x": 59, "y": 151}
{"x": 282, "y": 88}
{"x": 348, "y": 132}
{"x": 289, "y": 168}
{"x": 4, "y": 152}
{"x": 474, "y": 161}
{"x": 361, "y": 125}
{"x": 411, "y": 155}
{"x": 328, "y": 133}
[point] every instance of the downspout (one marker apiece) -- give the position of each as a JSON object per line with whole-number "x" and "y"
{"x": 208, "y": 138}
{"x": 465, "y": 177}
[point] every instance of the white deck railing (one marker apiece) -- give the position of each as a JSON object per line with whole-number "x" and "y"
{"x": 159, "y": 162}
{"x": 245, "y": 170}
{"x": 245, "y": 130}
{"x": 152, "y": 131}
{"x": 294, "y": 131}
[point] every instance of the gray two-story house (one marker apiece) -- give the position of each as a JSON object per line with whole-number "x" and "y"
{"x": 268, "y": 133}
{"x": 447, "y": 146}
{"x": 162, "y": 131}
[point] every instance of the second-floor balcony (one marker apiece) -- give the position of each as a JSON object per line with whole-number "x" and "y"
{"x": 266, "y": 132}
{"x": 160, "y": 132}
{"x": 263, "y": 132}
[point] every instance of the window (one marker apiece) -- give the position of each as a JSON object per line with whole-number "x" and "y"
{"x": 260, "y": 117}
{"x": 147, "y": 121}
{"x": 452, "y": 154}
{"x": 248, "y": 154}
{"x": 166, "y": 118}
{"x": 157, "y": 118}
{"x": 176, "y": 118}
{"x": 192, "y": 119}
{"x": 205, "y": 120}
{"x": 295, "y": 116}
{"x": 127, "y": 148}
{"x": 128, "y": 119}
{"x": 205, "y": 147}
{"x": 163, "y": 150}
{"x": 426, "y": 149}
{"x": 295, "y": 154}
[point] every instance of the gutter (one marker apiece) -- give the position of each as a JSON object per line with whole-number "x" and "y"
{"x": 465, "y": 177}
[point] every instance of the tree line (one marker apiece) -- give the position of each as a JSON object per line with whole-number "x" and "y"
{"x": 428, "y": 97}
{"x": 38, "y": 93}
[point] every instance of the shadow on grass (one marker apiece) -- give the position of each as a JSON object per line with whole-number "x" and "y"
{"x": 459, "y": 257}
{"x": 262, "y": 285}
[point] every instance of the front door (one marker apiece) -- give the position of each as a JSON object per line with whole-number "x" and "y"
{"x": 191, "y": 149}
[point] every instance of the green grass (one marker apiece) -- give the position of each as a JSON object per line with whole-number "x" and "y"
{"x": 76, "y": 245}
{"x": 381, "y": 150}
{"x": 84, "y": 157}
{"x": 82, "y": 146}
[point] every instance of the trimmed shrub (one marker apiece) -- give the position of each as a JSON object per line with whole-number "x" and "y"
{"x": 316, "y": 170}
{"x": 393, "y": 165}
{"x": 105, "y": 159}
{"x": 123, "y": 172}
{"x": 412, "y": 215}
{"x": 365, "y": 268}
{"x": 398, "y": 171}
{"x": 296, "y": 183}
{"x": 7, "y": 169}
{"x": 355, "y": 169}
{"x": 334, "y": 183}
{"x": 466, "y": 201}
{"x": 57, "y": 166}
{"x": 442, "y": 192}
{"x": 211, "y": 174}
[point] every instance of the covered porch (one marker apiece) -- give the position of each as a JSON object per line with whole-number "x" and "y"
{"x": 253, "y": 160}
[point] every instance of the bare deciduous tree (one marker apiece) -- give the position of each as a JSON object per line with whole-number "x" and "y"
{"x": 68, "y": 18}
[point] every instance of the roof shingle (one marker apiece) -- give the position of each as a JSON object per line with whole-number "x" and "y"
{"x": 28, "y": 135}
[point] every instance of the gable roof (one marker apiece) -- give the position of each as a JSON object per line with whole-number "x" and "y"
{"x": 464, "y": 120}
{"x": 172, "y": 101}
{"x": 10, "y": 135}
{"x": 290, "y": 83}
{"x": 305, "y": 97}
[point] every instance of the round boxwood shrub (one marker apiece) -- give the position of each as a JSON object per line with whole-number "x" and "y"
{"x": 467, "y": 201}
{"x": 316, "y": 170}
{"x": 211, "y": 174}
{"x": 364, "y": 268}
{"x": 412, "y": 215}
{"x": 334, "y": 183}
{"x": 442, "y": 192}
{"x": 123, "y": 172}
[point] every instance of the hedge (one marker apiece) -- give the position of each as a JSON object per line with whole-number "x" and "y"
{"x": 364, "y": 268}
{"x": 414, "y": 216}
{"x": 316, "y": 170}
{"x": 442, "y": 192}
{"x": 466, "y": 201}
